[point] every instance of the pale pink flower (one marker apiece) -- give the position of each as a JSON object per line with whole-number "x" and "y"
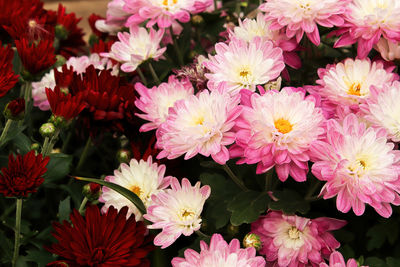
{"x": 199, "y": 124}
{"x": 345, "y": 85}
{"x": 115, "y": 13}
{"x": 358, "y": 165}
{"x": 177, "y": 211}
{"x": 297, "y": 17}
{"x": 382, "y": 109}
{"x": 389, "y": 50}
{"x": 296, "y": 241}
{"x": 163, "y": 12}
{"x": 220, "y": 254}
{"x": 39, "y": 90}
{"x": 144, "y": 178}
{"x": 155, "y": 102}
{"x": 277, "y": 129}
{"x": 244, "y": 65}
{"x": 248, "y": 29}
{"x": 103, "y": 26}
{"x": 336, "y": 260}
{"x": 80, "y": 64}
{"x": 367, "y": 21}
{"x": 135, "y": 47}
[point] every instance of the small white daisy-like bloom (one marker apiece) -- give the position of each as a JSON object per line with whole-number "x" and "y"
{"x": 382, "y": 109}
{"x": 155, "y": 102}
{"x": 136, "y": 46}
{"x": 199, "y": 124}
{"x": 144, "y": 178}
{"x": 242, "y": 64}
{"x": 177, "y": 211}
{"x": 349, "y": 82}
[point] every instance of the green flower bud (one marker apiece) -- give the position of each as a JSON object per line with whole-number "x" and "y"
{"x": 35, "y": 146}
{"x": 60, "y": 61}
{"x": 197, "y": 20}
{"x": 47, "y": 129}
{"x": 252, "y": 240}
{"x": 61, "y": 32}
{"x": 123, "y": 156}
{"x": 58, "y": 121}
{"x": 232, "y": 229}
{"x": 92, "y": 191}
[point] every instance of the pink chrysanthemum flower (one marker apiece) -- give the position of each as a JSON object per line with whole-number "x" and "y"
{"x": 115, "y": 13}
{"x": 302, "y": 16}
{"x": 199, "y": 124}
{"x": 389, "y": 50}
{"x": 136, "y": 46}
{"x": 220, "y": 254}
{"x": 155, "y": 102}
{"x": 39, "y": 91}
{"x": 296, "y": 241}
{"x": 336, "y": 260}
{"x": 163, "y": 12}
{"x": 367, "y": 21}
{"x": 177, "y": 211}
{"x": 144, "y": 178}
{"x": 359, "y": 166}
{"x": 382, "y": 109}
{"x": 346, "y": 84}
{"x": 240, "y": 64}
{"x": 277, "y": 129}
{"x": 248, "y": 29}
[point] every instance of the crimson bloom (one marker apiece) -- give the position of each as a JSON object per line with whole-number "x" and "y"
{"x": 101, "y": 240}
{"x": 64, "y": 105}
{"x": 23, "y": 175}
{"x": 7, "y": 76}
{"x": 36, "y": 57}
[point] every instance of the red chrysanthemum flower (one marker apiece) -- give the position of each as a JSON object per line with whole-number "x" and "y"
{"x": 73, "y": 44}
{"x": 30, "y": 28}
{"x": 23, "y": 175}
{"x": 102, "y": 240}
{"x": 14, "y": 9}
{"x": 64, "y": 105}
{"x": 36, "y": 57}
{"x": 64, "y": 77}
{"x": 7, "y": 76}
{"x": 102, "y": 46}
{"x": 15, "y": 109}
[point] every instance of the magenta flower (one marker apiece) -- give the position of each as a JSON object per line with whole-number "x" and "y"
{"x": 277, "y": 129}
{"x": 296, "y": 241}
{"x": 336, "y": 260}
{"x": 220, "y": 254}
{"x": 359, "y": 166}
{"x": 304, "y": 16}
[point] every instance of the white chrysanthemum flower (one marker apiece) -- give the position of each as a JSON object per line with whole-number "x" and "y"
{"x": 177, "y": 211}
{"x": 250, "y": 28}
{"x": 383, "y": 110}
{"x": 144, "y": 178}
{"x": 39, "y": 90}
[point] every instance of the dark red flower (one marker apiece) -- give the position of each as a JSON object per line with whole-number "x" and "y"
{"x": 64, "y": 77}
{"x": 9, "y": 10}
{"x": 23, "y": 174}
{"x": 36, "y": 56}
{"x": 102, "y": 240}
{"x": 64, "y": 104}
{"x": 15, "y": 109}
{"x": 102, "y": 46}
{"x": 73, "y": 43}
{"x": 7, "y": 76}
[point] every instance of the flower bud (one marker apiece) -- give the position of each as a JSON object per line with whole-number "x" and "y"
{"x": 60, "y": 61}
{"x": 197, "y": 20}
{"x": 58, "y": 121}
{"x": 35, "y": 146}
{"x": 47, "y": 129}
{"x": 91, "y": 191}
{"x": 61, "y": 32}
{"x": 123, "y": 156}
{"x": 232, "y": 229}
{"x": 15, "y": 109}
{"x": 252, "y": 240}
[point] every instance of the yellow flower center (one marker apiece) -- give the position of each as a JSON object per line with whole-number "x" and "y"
{"x": 198, "y": 120}
{"x": 355, "y": 89}
{"x": 244, "y": 73}
{"x": 187, "y": 213}
{"x": 32, "y": 23}
{"x": 283, "y": 125}
{"x": 294, "y": 233}
{"x": 167, "y": 2}
{"x": 136, "y": 189}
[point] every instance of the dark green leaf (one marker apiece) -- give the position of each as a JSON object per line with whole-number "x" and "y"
{"x": 64, "y": 209}
{"x": 41, "y": 257}
{"x": 6, "y": 248}
{"x": 375, "y": 262}
{"x": 58, "y": 167}
{"x": 132, "y": 197}
{"x": 289, "y": 202}
{"x": 247, "y": 206}
{"x": 22, "y": 142}
{"x": 379, "y": 233}
{"x": 392, "y": 262}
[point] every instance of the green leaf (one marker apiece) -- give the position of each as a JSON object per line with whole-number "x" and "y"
{"x": 41, "y": 257}
{"x": 6, "y": 248}
{"x": 132, "y": 197}
{"x": 64, "y": 209}
{"x": 374, "y": 262}
{"x": 58, "y": 167}
{"x": 379, "y": 233}
{"x": 247, "y": 206}
{"x": 392, "y": 262}
{"x": 289, "y": 202}
{"x": 22, "y": 142}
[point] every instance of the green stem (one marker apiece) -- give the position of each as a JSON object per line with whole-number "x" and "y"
{"x": 312, "y": 190}
{"x": 142, "y": 77}
{"x": 234, "y": 177}
{"x": 27, "y": 95}
{"x": 201, "y": 234}
{"x": 153, "y": 73}
{"x": 176, "y": 47}
{"x": 49, "y": 143}
{"x": 215, "y": 5}
{"x": 5, "y": 130}
{"x": 17, "y": 231}
{"x": 84, "y": 154}
{"x": 45, "y": 146}
{"x": 83, "y": 205}
{"x": 268, "y": 180}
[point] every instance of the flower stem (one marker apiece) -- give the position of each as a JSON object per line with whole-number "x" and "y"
{"x": 235, "y": 179}
{"x": 153, "y": 73}
{"x": 27, "y": 95}
{"x": 83, "y": 205}
{"x": 142, "y": 77}
{"x": 49, "y": 143}
{"x": 84, "y": 154}
{"x": 45, "y": 146}
{"x": 312, "y": 190}
{"x": 176, "y": 47}
{"x": 215, "y": 5}
{"x": 201, "y": 234}
{"x": 268, "y": 180}
{"x": 17, "y": 230}
{"x": 5, "y": 130}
